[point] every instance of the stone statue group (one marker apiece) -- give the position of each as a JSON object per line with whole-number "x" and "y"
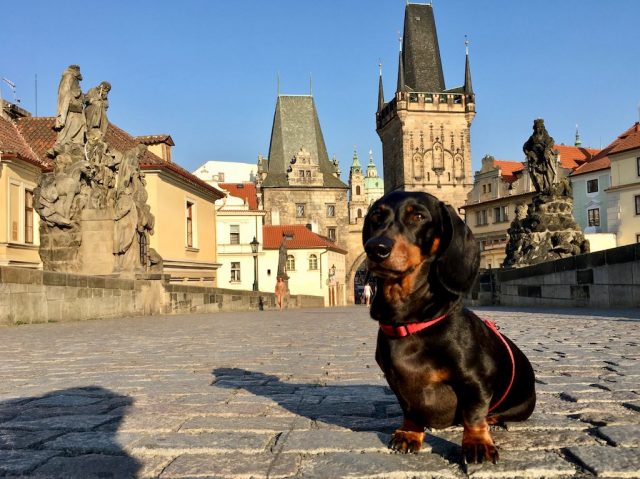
{"x": 89, "y": 174}
{"x": 545, "y": 230}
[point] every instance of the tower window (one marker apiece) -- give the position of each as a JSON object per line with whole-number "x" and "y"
{"x": 358, "y": 190}
{"x": 300, "y": 210}
{"x": 331, "y": 211}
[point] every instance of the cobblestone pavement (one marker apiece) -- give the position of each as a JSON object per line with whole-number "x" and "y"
{"x": 296, "y": 394}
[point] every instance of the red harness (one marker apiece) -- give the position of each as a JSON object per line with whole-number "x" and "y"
{"x": 412, "y": 328}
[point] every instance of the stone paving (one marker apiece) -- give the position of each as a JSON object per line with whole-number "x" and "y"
{"x": 296, "y": 394}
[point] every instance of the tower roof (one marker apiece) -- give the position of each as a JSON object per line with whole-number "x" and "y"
{"x": 420, "y": 51}
{"x": 468, "y": 87}
{"x": 295, "y": 126}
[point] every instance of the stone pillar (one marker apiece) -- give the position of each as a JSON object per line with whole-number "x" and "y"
{"x": 96, "y": 250}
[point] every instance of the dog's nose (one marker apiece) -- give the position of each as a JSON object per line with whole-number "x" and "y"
{"x": 378, "y": 249}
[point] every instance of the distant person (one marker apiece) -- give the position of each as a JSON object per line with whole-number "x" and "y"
{"x": 367, "y": 293}
{"x": 281, "y": 291}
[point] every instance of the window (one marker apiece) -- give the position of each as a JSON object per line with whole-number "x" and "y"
{"x": 189, "y": 218}
{"x": 301, "y": 174}
{"x": 28, "y": 216}
{"x": 359, "y": 213}
{"x": 235, "y": 271}
{"x": 592, "y": 186}
{"x": 481, "y": 218}
{"x": 300, "y": 210}
{"x": 291, "y": 263}
{"x": 489, "y": 188}
{"x": 331, "y": 234}
{"x": 500, "y": 214}
{"x": 313, "y": 262}
{"x": 594, "y": 217}
{"x": 637, "y": 205}
{"x": 638, "y": 165}
{"x": 234, "y": 235}
{"x": 331, "y": 211}
{"x": 358, "y": 190}
{"x": 637, "y": 238}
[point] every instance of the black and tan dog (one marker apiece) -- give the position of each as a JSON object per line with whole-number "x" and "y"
{"x": 445, "y": 365}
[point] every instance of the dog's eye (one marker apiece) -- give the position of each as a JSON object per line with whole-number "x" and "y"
{"x": 416, "y": 218}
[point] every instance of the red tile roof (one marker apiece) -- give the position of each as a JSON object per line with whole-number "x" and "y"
{"x": 13, "y": 144}
{"x": 39, "y": 134}
{"x": 573, "y": 156}
{"x": 155, "y": 139}
{"x": 302, "y": 238}
{"x": 246, "y": 191}
{"x": 629, "y": 140}
{"x": 508, "y": 169}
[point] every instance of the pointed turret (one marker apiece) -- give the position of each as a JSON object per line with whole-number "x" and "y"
{"x": 380, "y": 90}
{"x": 402, "y": 86}
{"x": 468, "y": 88}
{"x": 355, "y": 163}
{"x": 578, "y": 142}
{"x": 420, "y": 64}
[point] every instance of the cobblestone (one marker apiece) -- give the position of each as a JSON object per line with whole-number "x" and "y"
{"x": 297, "y": 395}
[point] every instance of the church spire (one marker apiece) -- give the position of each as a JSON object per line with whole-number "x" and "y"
{"x": 578, "y": 141}
{"x": 468, "y": 88}
{"x": 402, "y": 86}
{"x": 380, "y": 91}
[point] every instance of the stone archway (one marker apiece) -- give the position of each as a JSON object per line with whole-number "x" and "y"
{"x": 351, "y": 276}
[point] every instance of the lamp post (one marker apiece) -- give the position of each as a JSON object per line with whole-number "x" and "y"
{"x": 254, "y": 249}
{"x": 332, "y": 285}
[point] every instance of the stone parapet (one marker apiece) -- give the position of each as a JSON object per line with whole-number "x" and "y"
{"x": 32, "y": 296}
{"x": 604, "y": 279}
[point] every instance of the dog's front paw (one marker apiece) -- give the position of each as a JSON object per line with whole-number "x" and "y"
{"x": 477, "y": 445}
{"x": 406, "y": 441}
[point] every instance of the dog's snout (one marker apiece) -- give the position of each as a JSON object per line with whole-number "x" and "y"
{"x": 378, "y": 249}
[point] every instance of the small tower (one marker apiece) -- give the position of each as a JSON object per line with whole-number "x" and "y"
{"x": 425, "y": 128}
{"x": 357, "y": 197}
{"x": 373, "y": 184}
{"x": 578, "y": 142}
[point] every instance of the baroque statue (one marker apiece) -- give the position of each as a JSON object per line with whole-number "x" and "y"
{"x": 94, "y": 202}
{"x": 544, "y": 230}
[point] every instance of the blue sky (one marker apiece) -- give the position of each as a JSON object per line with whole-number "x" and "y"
{"x": 204, "y": 71}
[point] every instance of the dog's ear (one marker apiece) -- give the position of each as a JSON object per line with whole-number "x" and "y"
{"x": 459, "y": 257}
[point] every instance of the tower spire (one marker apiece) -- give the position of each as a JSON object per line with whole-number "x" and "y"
{"x": 468, "y": 88}
{"x": 577, "y": 142}
{"x": 380, "y": 90}
{"x": 401, "y": 83}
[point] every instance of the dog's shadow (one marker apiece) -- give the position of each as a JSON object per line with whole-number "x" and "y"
{"x": 357, "y": 407}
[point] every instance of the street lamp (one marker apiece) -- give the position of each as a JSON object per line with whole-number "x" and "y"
{"x": 254, "y": 249}
{"x": 332, "y": 270}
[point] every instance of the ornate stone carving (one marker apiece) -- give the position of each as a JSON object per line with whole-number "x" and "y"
{"x": 94, "y": 194}
{"x": 546, "y": 229}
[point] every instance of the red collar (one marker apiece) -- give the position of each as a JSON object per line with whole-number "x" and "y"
{"x": 408, "y": 329}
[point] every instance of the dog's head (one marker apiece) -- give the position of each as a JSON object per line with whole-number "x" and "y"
{"x": 406, "y": 232}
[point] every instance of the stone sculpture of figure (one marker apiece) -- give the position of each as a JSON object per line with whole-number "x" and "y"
{"x": 541, "y": 159}
{"x": 129, "y": 170}
{"x": 126, "y": 222}
{"x": 70, "y": 121}
{"x": 96, "y": 105}
{"x": 57, "y": 191}
{"x": 282, "y": 260}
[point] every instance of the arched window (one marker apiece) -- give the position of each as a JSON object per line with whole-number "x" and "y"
{"x": 313, "y": 262}
{"x": 291, "y": 263}
{"x": 358, "y": 190}
{"x": 359, "y": 213}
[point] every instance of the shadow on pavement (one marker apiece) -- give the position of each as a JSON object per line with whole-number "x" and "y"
{"x": 358, "y": 407}
{"x": 70, "y": 433}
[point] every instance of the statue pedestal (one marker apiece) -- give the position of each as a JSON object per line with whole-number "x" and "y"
{"x": 96, "y": 251}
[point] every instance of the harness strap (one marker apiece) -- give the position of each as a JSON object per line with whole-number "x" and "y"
{"x": 493, "y": 327}
{"x": 408, "y": 329}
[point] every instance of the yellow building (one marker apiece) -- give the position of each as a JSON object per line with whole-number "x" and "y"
{"x": 623, "y": 196}
{"x": 19, "y": 171}
{"x": 183, "y": 205}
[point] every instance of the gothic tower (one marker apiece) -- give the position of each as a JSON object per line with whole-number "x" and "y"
{"x": 298, "y": 182}
{"x": 425, "y": 128}
{"x": 357, "y": 195}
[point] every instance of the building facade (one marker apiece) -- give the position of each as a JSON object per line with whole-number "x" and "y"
{"x": 425, "y": 128}
{"x": 297, "y": 183}
{"x": 623, "y": 215}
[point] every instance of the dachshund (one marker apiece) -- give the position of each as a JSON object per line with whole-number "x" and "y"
{"x": 445, "y": 365}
